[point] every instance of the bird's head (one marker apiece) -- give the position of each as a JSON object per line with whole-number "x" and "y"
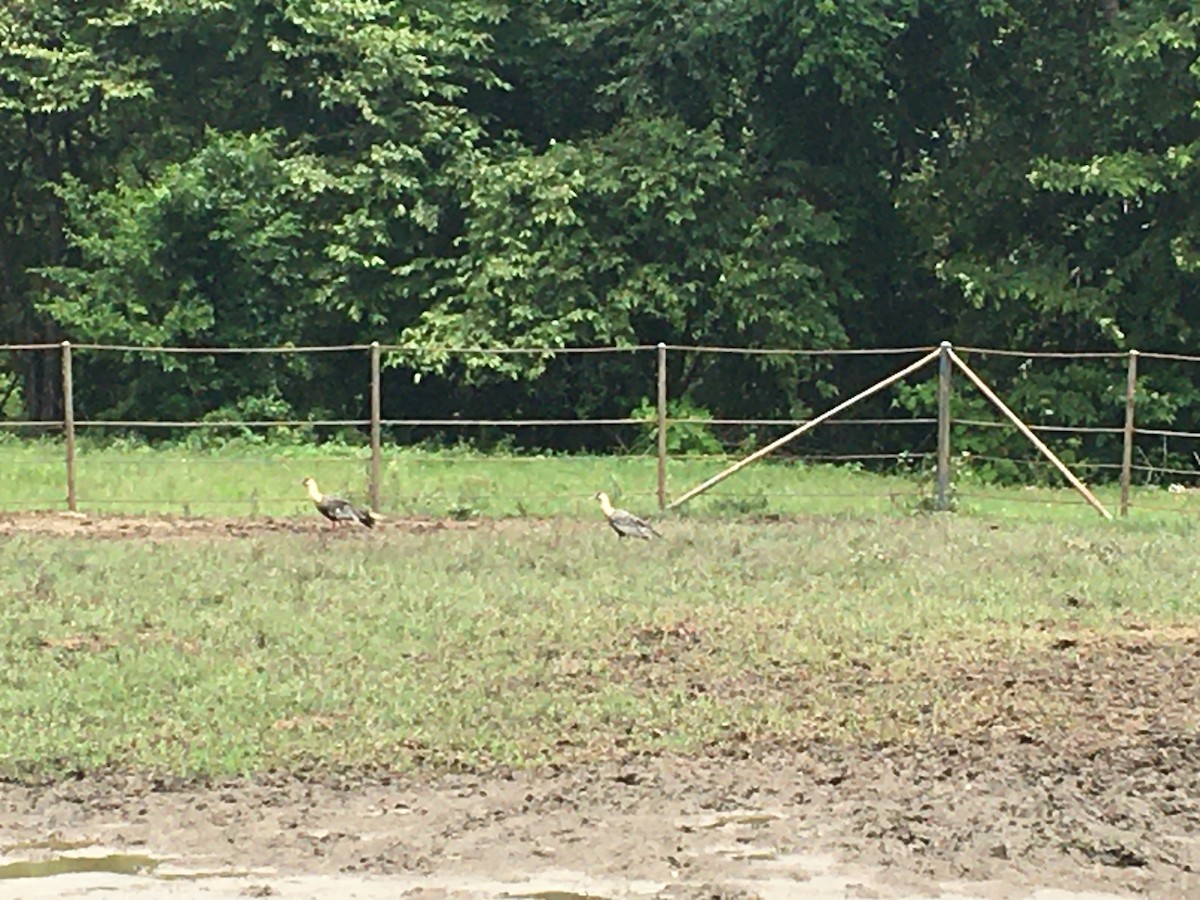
{"x": 600, "y": 495}
{"x": 310, "y": 485}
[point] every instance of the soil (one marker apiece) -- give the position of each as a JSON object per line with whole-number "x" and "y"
{"x": 985, "y": 818}
{"x": 1108, "y": 802}
{"x": 119, "y": 527}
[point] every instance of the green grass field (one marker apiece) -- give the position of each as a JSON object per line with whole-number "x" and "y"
{"x": 768, "y": 612}
{"x": 261, "y": 481}
{"x": 518, "y": 642}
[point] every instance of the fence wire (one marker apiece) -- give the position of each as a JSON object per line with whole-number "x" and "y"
{"x": 1152, "y": 446}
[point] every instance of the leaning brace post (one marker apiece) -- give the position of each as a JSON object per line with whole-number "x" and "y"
{"x": 807, "y": 426}
{"x": 376, "y": 442}
{"x": 1127, "y": 441}
{"x": 1028, "y": 432}
{"x": 662, "y": 426}
{"x": 68, "y": 392}
{"x": 942, "y": 500}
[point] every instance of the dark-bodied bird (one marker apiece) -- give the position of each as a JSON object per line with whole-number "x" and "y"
{"x": 337, "y": 509}
{"x": 625, "y": 523}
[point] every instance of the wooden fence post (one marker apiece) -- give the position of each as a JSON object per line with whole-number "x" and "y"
{"x": 1127, "y": 441}
{"x": 374, "y": 489}
{"x": 662, "y": 426}
{"x": 942, "y": 500}
{"x": 68, "y": 392}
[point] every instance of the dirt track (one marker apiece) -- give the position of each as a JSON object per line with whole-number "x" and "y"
{"x": 118, "y": 526}
{"x": 1108, "y": 801}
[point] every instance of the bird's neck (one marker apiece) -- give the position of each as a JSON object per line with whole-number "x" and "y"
{"x": 315, "y": 494}
{"x": 606, "y": 506}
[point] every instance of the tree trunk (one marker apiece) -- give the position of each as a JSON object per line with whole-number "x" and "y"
{"x": 41, "y": 386}
{"x": 1110, "y": 8}
{"x": 42, "y": 370}
{"x": 38, "y": 372}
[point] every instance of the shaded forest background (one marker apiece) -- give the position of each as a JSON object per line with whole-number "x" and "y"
{"x": 798, "y": 173}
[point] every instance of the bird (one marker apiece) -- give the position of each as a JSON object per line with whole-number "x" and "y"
{"x": 337, "y": 509}
{"x": 623, "y": 522}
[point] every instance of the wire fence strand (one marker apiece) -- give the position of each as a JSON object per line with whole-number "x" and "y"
{"x": 792, "y": 423}
{"x": 220, "y": 351}
{"x": 515, "y": 351}
{"x": 1042, "y": 463}
{"x": 222, "y": 423}
{"x": 1164, "y": 470}
{"x": 913, "y": 461}
{"x": 1173, "y": 357}
{"x": 1049, "y": 429}
{"x": 1046, "y": 354}
{"x": 1159, "y": 432}
{"x": 449, "y": 349}
{"x": 783, "y": 351}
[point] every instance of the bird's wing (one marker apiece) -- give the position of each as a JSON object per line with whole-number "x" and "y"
{"x": 624, "y": 520}
{"x": 625, "y": 517}
{"x": 361, "y": 513}
{"x": 338, "y": 508}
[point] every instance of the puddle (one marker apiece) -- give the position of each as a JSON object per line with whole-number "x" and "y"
{"x": 779, "y": 877}
{"x": 205, "y": 876}
{"x": 750, "y": 854}
{"x": 109, "y": 864}
{"x": 113, "y": 864}
{"x": 721, "y": 820}
{"x": 51, "y": 843}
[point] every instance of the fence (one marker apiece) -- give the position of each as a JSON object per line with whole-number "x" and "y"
{"x": 942, "y": 427}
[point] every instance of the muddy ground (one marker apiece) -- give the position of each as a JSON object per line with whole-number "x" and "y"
{"x": 1109, "y": 802}
{"x": 991, "y": 818}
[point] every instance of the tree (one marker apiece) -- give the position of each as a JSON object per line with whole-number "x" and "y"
{"x": 1055, "y": 208}
{"x": 280, "y": 174}
{"x": 62, "y": 100}
{"x": 228, "y": 172}
{"x": 714, "y": 181}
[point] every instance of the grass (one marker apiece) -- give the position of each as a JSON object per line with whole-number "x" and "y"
{"x": 515, "y": 643}
{"x": 264, "y": 481}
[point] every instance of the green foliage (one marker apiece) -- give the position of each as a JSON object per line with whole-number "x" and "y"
{"x": 202, "y": 254}
{"x": 693, "y": 437}
{"x": 652, "y": 229}
{"x": 10, "y": 396}
{"x": 554, "y": 173}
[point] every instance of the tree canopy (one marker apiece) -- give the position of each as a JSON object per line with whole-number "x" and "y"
{"x": 565, "y": 172}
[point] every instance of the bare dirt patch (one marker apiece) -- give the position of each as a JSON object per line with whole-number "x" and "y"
{"x": 1106, "y": 800}
{"x": 138, "y": 527}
